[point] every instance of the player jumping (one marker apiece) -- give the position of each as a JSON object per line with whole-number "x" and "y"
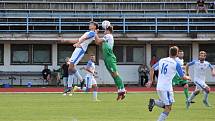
{"x": 107, "y": 43}
{"x": 80, "y": 48}
{"x": 89, "y": 78}
{"x": 177, "y": 80}
{"x": 167, "y": 67}
{"x": 200, "y": 69}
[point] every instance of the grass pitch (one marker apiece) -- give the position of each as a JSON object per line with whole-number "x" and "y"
{"x": 80, "y": 107}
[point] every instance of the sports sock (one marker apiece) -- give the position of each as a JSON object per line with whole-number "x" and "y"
{"x": 94, "y": 95}
{"x": 77, "y": 74}
{"x": 159, "y": 103}
{"x": 65, "y": 88}
{"x": 205, "y": 96}
{"x": 163, "y": 116}
{"x": 192, "y": 96}
{"x": 70, "y": 81}
{"x": 186, "y": 92}
{"x": 118, "y": 82}
{"x": 84, "y": 89}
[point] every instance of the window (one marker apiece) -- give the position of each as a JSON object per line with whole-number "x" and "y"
{"x": 1, "y": 54}
{"x": 42, "y": 54}
{"x": 30, "y": 54}
{"x": 65, "y": 50}
{"x": 162, "y": 51}
{"x": 20, "y": 54}
{"x": 135, "y": 54}
{"x": 130, "y": 54}
{"x": 118, "y": 51}
{"x": 209, "y": 48}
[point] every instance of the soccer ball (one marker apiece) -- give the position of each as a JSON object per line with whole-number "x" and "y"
{"x": 105, "y": 24}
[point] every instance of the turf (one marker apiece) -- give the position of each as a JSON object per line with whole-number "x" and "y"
{"x": 79, "y": 107}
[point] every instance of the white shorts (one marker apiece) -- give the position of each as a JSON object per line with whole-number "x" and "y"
{"x": 166, "y": 97}
{"x": 77, "y": 55}
{"x": 200, "y": 85}
{"x": 90, "y": 81}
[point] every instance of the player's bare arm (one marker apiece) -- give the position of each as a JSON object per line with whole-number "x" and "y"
{"x": 186, "y": 77}
{"x": 81, "y": 40}
{"x": 213, "y": 71}
{"x": 151, "y": 77}
{"x": 62, "y": 40}
{"x": 87, "y": 69}
{"x": 98, "y": 40}
{"x": 187, "y": 70}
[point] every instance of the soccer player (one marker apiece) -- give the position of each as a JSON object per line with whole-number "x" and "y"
{"x": 200, "y": 69}
{"x": 177, "y": 80}
{"x": 89, "y": 78}
{"x": 167, "y": 67}
{"x": 80, "y": 48}
{"x": 107, "y": 43}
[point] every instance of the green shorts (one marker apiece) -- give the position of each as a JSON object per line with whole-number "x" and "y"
{"x": 178, "y": 81}
{"x": 109, "y": 58}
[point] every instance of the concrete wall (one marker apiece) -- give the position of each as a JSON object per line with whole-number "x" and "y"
{"x": 128, "y": 72}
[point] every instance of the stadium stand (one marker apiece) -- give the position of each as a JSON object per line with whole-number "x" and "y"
{"x": 34, "y": 16}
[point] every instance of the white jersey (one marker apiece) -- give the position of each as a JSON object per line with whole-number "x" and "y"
{"x": 200, "y": 70}
{"x": 90, "y": 80}
{"x": 90, "y": 35}
{"x": 167, "y": 67}
{"x": 109, "y": 39}
{"x": 91, "y": 66}
{"x": 180, "y": 61}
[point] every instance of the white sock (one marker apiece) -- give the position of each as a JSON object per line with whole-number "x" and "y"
{"x": 83, "y": 89}
{"x": 205, "y": 96}
{"x": 77, "y": 74}
{"x": 70, "y": 80}
{"x": 192, "y": 96}
{"x": 159, "y": 103}
{"x": 94, "y": 95}
{"x": 163, "y": 116}
{"x": 123, "y": 90}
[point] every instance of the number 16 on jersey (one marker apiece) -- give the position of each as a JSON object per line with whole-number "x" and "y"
{"x": 164, "y": 68}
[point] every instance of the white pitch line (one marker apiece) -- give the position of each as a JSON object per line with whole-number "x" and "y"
{"x": 83, "y": 92}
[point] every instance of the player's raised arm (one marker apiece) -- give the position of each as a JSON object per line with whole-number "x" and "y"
{"x": 84, "y": 37}
{"x": 67, "y": 41}
{"x": 98, "y": 40}
{"x": 187, "y": 67}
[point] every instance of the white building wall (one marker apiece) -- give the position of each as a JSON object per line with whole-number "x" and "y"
{"x": 129, "y": 73}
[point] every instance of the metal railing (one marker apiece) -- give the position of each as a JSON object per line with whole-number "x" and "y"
{"x": 98, "y": 5}
{"x": 124, "y": 23}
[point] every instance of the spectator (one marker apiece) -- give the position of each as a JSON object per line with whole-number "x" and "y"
{"x": 153, "y": 61}
{"x": 201, "y": 6}
{"x": 143, "y": 74}
{"x": 46, "y": 74}
{"x": 212, "y": 5}
{"x": 64, "y": 68}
